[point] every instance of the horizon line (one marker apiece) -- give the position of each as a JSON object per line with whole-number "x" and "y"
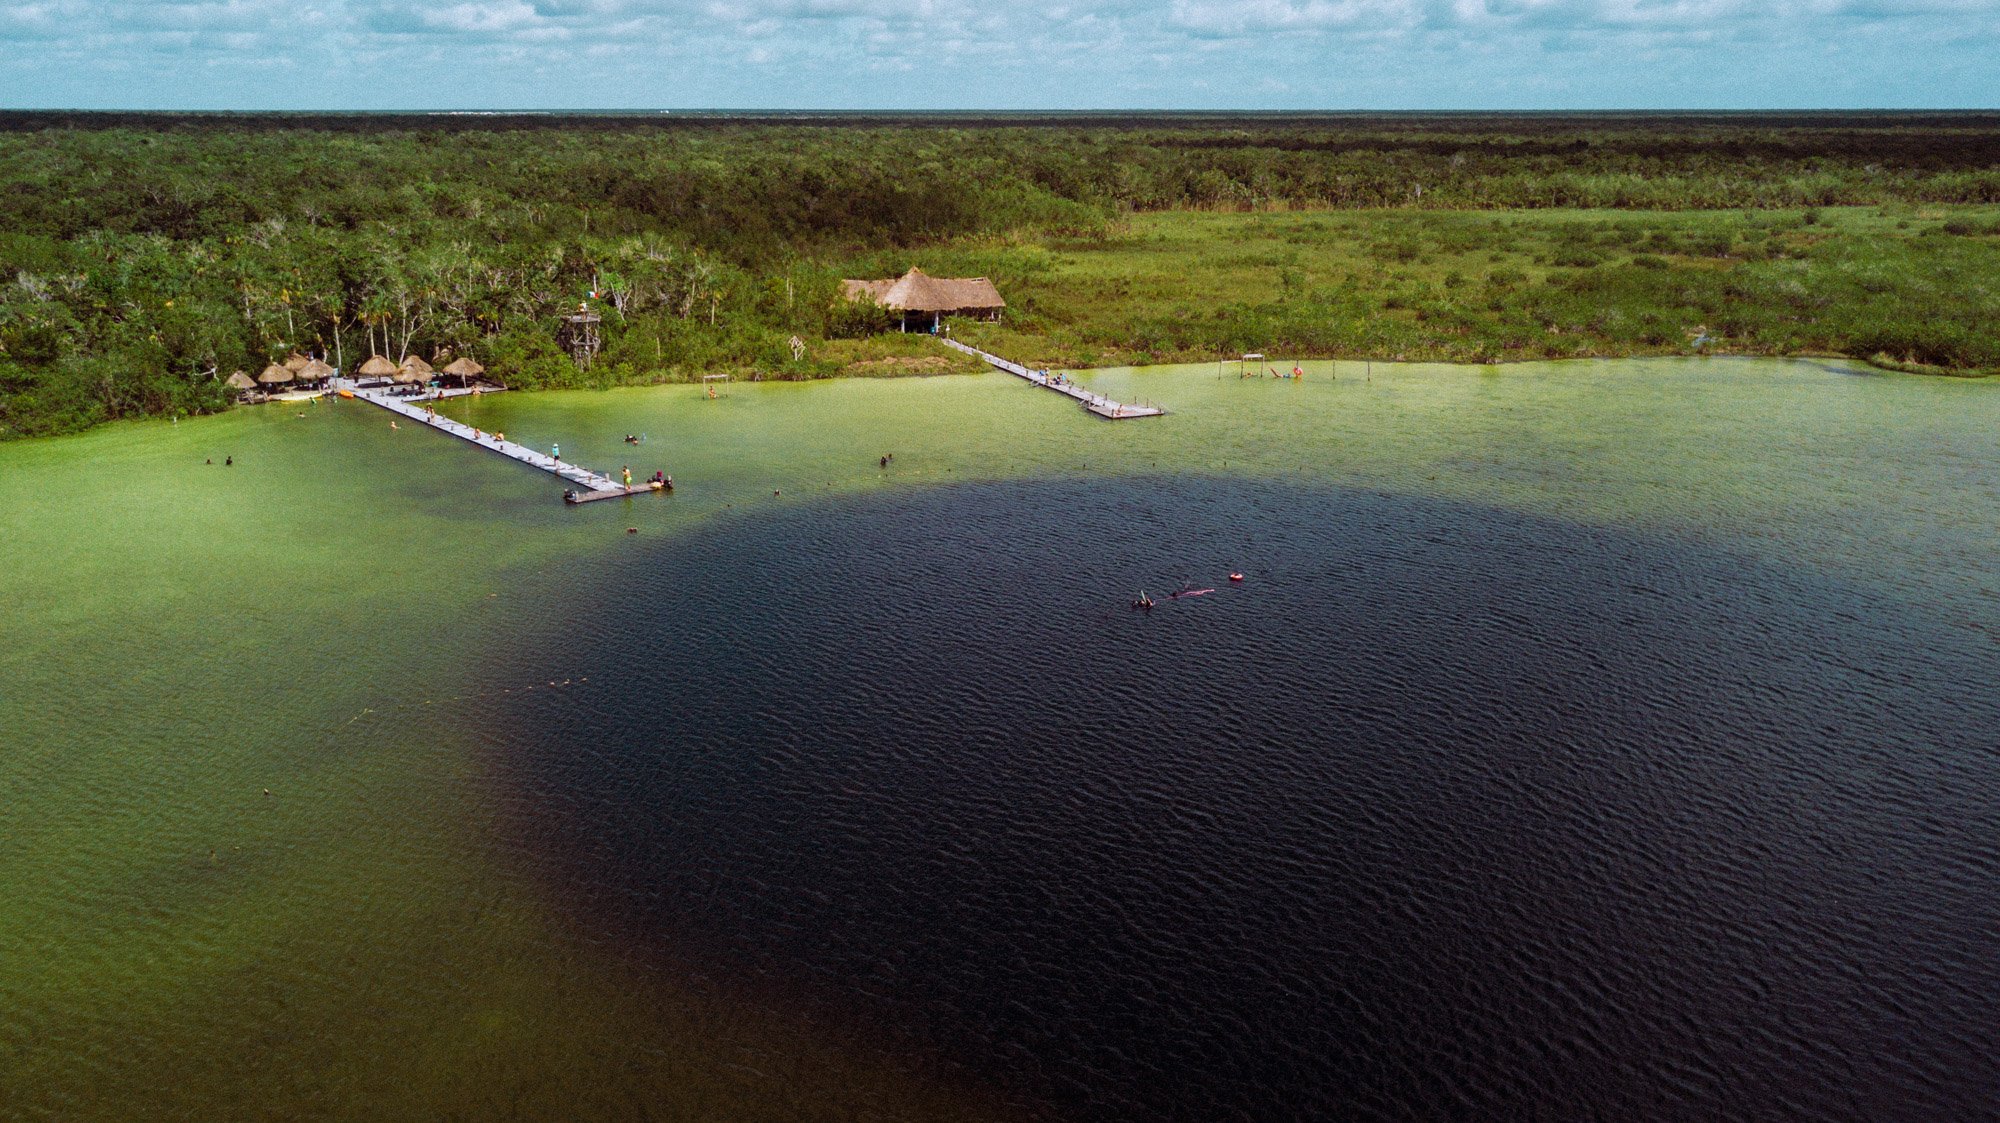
{"x": 769, "y": 111}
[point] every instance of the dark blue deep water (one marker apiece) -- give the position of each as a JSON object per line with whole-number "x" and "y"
{"x": 1446, "y": 812}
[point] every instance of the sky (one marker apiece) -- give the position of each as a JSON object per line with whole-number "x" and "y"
{"x": 989, "y": 54}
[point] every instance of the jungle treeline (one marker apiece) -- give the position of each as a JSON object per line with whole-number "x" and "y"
{"x": 145, "y": 257}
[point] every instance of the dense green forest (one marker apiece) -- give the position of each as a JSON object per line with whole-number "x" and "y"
{"x": 143, "y": 258}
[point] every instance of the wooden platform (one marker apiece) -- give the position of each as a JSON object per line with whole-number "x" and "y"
{"x": 615, "y": 492}
{"x": 1095, "y": 404}
{"x": 589, "y": 486}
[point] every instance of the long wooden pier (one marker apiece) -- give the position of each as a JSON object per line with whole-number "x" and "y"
{"x": 590, "y": 488}
{"x": 1096, "y": 404}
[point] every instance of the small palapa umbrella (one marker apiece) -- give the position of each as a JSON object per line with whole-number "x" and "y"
{"x": 275, "y": 373}
{"x": 377, "y": 367}
{"x": 465, "y": 368}
{"x": 240, "y": 381}
{"x": 315, "y": 371}
{"x": 415, "y": 370}
{"x": 296, "y": 362}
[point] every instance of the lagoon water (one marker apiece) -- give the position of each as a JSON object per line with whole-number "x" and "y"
{"x": 1586, "y": 741}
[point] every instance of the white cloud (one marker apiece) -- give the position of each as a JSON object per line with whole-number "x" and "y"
{"x": 1239, "y": 17}
{"x": 512, "y": 15}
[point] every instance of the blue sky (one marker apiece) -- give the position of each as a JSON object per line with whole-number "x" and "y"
{"x": 943, "y": 54}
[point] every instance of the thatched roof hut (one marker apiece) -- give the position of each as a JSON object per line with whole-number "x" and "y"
{"x": 465, "y": 367}
{"x": 377, "y": 367}
{"x": 240, "y": 381}
{"x": 315, "y": 371}
{"x": 296, "y": 362}
{"x": 418, "y": 367}
{"x": 275, "y": 374}
{"x": 920, "y": 296}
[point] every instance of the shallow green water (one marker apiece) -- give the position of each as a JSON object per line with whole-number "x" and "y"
{"x": 181, "y": 637}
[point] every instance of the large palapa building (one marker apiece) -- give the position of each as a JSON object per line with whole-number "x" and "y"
{"x": 925, "y": 301}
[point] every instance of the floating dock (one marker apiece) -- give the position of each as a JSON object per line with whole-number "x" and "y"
{"x": 1096, "y": 404}
{"x": 590, "y": 486}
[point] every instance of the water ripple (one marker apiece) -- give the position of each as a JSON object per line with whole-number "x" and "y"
{"x": 1444, "y": 812}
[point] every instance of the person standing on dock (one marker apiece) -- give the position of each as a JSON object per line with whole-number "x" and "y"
{"x": 628, "y": 477}
{"x": 555, "y": 452}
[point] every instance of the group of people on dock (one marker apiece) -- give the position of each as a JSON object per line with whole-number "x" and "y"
{"x": 658, "y": 480}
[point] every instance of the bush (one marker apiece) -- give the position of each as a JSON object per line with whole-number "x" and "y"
{"x": 857, "y": 319}
{"x": 527, "y": 358}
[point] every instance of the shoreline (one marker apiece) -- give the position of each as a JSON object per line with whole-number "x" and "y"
{"x": 1054, "y": 361}
{"x": 1057, "y": 358}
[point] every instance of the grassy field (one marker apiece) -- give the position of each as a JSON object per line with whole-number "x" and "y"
{"x": 1908, "y": 286}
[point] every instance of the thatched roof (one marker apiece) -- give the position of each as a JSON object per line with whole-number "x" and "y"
{"x": 418, "y": 367}
{"x": 377, "y": 367}
{"x": 296, "y": 362}
{"x": 315, "y": 371}
{"x": 872, "y": 290}
{"x": 464, "y": 367}
{"x": 405, "y": 374}
{"x": 275, "y": 373}
{"x": 240, "y": 381}
{"x": 916, "y": 291}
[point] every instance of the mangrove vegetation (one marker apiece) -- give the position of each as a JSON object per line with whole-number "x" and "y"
{"x": 143, "y": 258}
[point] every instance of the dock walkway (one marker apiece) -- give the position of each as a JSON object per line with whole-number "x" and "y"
{"x": 590, "y": 486}
{"x": 1092, "y": 403}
